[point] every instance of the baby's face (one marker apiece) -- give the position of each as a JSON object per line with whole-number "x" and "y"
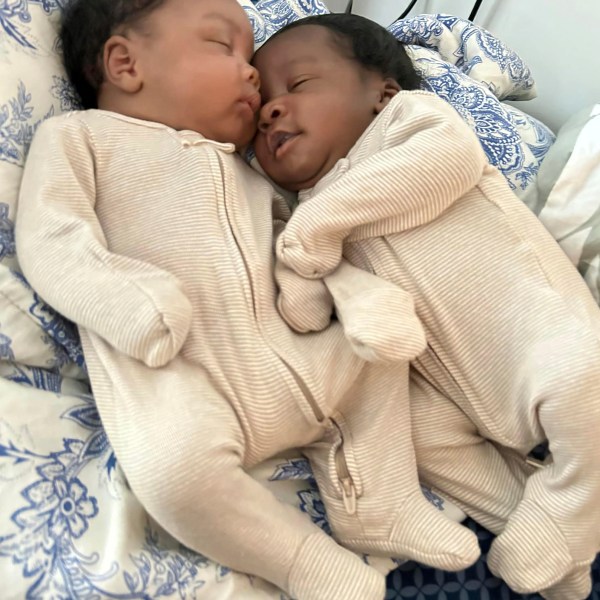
{"x": 195, "y": 60}
{"x": 316, "y": 104}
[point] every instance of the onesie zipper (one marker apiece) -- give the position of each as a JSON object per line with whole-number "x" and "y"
{"x": 316, "y": 409}
{"x": 534, "y": 462}
{"x": 317, "y": 412}
{"x": 349, "y": 494}
{"x": 303, "y": 388}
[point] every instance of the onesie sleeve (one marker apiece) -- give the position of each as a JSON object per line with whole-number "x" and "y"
{"x": 304, "y": 304}
{"x": 422, "y": 158}
{"x": 378, "y": 317}
{"x": 136, "y": 307}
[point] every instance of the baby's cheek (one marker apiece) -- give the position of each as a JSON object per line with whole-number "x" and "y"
{"x": 260, "y": 150}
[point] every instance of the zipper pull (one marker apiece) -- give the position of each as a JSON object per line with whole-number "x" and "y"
{"x": 349, "y": 495}
{"x": 534, "y": 462}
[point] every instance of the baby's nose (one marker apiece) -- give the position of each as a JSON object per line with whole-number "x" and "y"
{"x": 254, "y": 77}
{"x": 269, "y": 113}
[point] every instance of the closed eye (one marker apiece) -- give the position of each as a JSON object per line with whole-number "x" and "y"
{"x": 221, "y": 43}
{"x": 297, "y": 84}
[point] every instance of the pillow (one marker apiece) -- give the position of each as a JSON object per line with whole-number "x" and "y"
{"x": 556, "y": 159}
{"x": 268, "y": 16}
{"x": 473, "y": 50}
{"x": 33, "y": 87}
{"x": 472, "y": 70}
{"x": 570, "y": 208}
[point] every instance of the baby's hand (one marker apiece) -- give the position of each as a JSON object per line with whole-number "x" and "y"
{"x": 304, "y": 304}
{"x": 378, "y": 316}
{"x": 310, "y": 256}
{"x": 154, "y": 325}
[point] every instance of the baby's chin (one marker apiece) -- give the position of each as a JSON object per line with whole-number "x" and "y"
{"x": 242, "y": 143}
{"x": 300, "y": 178}
{"x": 309, "y": 178}
{"x": 246, "y": 140}
{"x": 290, "y": 184}
{"x": 298, "y": 186}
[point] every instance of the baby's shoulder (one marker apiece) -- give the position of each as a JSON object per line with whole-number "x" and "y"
{"x": 61, "y": 134}
{"x": 57, "y": 124}
{"x": 83, "y": 126}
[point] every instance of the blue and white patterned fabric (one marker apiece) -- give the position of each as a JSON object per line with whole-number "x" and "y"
{"x": 472, "y": 70}
{"x": 70, "y": 528}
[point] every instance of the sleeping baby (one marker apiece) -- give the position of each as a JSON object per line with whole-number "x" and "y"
{"x": 139, "y": 221}
{"x": 398, "y": 184}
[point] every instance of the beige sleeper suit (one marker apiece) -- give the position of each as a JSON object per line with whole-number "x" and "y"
{"x": 513, "y": 333}
{"x": 159, "y": 245}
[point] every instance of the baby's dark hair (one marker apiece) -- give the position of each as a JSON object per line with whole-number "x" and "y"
{"x": 85, "y": 27}
{"x": 369, "y": 44}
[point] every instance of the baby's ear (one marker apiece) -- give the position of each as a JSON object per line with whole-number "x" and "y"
{"x": 120, "y": 64}
{"x": 389, "y": 88}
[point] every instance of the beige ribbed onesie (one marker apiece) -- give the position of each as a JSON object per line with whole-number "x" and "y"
{"x": 159, "y": 245}
{"x": 513, "y": 353}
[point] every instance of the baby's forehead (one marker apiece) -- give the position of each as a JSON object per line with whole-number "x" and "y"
{"x": 224, "y": 13}
{"x": 317, "y": 35}
{"x": 300, "y": 45}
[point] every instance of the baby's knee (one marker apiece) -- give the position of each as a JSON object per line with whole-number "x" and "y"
{"x": 438, "y": 423}
{"x": 187, "y": 474}
{"x": 570, "y": 398}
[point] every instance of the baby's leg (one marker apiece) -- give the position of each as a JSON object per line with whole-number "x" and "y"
{"x": 366, "y": 471}
{"x": 559, "y": 516}
{"x": 487, "y": 482}
{"x": 188, "y": 472}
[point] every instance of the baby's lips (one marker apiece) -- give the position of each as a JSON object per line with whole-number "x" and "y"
{"x": 254, "y": 102}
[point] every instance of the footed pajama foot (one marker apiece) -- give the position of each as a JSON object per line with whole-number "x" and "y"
{"x": 323, "y": 570}
{"x": 516, "y": 554}
{"x": 423, "y": 533}
{"x": 577, "y": 585}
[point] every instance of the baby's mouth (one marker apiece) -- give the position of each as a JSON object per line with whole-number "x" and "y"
{"x": 279, "y": 140}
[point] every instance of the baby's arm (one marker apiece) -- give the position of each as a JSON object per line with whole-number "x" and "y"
{"x": 304, "y": 304}
{"x": 378, "y": 317}
{"x": 427, "y": 159}
{"x": 136, "y": 307}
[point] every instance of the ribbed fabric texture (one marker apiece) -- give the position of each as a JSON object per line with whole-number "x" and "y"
{"x": 123, "y": 225}
{"x": 348, "y": 581}
{"x": 378, "y": 317}
{"x": 365, "y": 202}
{"x": 576, "y": 585}
{"x": 513, "y": 331}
